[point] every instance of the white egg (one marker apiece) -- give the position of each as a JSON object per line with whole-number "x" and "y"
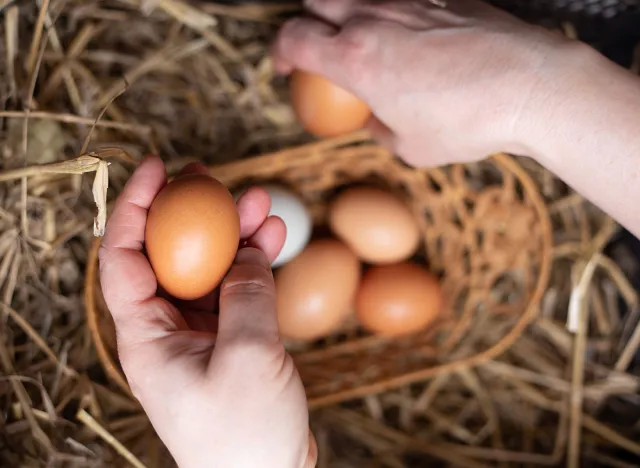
{"x": 297, "y": 219}
{"x": 292, "y": 210}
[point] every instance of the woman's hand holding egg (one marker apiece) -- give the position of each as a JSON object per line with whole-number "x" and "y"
{"x": 197, "y": 374}
{"x": 446, "y": 84}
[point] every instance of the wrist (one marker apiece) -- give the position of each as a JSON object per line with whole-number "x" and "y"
{"x": 584, "y": 103}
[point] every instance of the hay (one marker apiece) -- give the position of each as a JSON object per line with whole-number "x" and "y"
{"x": 189, "y": 85}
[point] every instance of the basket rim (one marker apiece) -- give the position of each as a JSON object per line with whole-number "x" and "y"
{"x": 505, "y": 161}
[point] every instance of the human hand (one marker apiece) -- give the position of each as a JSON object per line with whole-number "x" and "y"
{"x": 451, "y": 84}
{"x": 219, "y": 393}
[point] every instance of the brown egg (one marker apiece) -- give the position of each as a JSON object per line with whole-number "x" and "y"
{"x": 378, "y": 226}
{"x": 398, "y": 299}
{"x": 323, "y": 108}
{"x": 316, "y": 290}
{"x": 192, "y": 235}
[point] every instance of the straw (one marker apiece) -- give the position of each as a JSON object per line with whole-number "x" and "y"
{"x": 91, "y": 87}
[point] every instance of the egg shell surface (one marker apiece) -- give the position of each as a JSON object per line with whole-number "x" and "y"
{"x": 379, "y": 227}
{"x": 323, "y": 108}
{"x": 291, "y": 209}
{"x": 315, "y": 291}
{"x": 398, "y": 299}
{"x": 192, "y": 235}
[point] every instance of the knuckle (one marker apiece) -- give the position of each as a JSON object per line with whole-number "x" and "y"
{"x": 133, "y": 375}
{"x": 303, "y": 54}
{"x": 293, "y": 42}
{"x": 287, "y": 371}
{"x": 134, "y": 385}
{"x": 257, "y": 351}
{"x": 252, "y": 255}
{"x": 248, "y": 279}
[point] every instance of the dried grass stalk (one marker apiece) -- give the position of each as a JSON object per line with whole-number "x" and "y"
{"x": 202, "y": 88}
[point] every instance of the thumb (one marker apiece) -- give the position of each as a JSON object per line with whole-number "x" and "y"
{"x": 247, "y": 302}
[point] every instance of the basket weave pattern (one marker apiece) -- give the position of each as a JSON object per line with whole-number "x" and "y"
{"x": 486, "y": 232}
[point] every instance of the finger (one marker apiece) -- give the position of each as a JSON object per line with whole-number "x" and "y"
{"x": 253, "y": 209}
{"x": 413, "y": 15}
{"x": 285, "y": 51}
{"x": 332, "y": 11}
{"x": 270, "y": 237}
{"x": 382, "y": 134}
{"x": 299, "y": 44}
{"x": 280, "y": 64}
{"x": 194, "y": 168}
{"x": 125, "y": 273}
{"x": 247, "y": 301}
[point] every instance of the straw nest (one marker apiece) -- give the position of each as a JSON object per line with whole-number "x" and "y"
{"x": 89, "y": 87}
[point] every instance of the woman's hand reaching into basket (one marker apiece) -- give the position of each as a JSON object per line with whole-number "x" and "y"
{"x": 458, "y": 80}
{"x": 240, "y": 404}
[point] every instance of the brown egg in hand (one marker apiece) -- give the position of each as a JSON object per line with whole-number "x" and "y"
{"x": 192, "y": 235}
{"x": 325, "y": 109}
{"x": 398, "y": 299}
{"x": 316, "y": 290}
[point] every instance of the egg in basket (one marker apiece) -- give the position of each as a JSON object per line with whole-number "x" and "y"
{"x": 390, "y": 274}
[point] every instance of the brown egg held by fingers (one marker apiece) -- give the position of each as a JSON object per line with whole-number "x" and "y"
{"x": 325, "y": 109}
{"x": 192, "y": 235}
{"x": 316, "y": 290}
{"x": 398, "y": 299}
{"x": 378, "y": 226}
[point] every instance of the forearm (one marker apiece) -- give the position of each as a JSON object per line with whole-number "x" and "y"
{"x": 588, "y": 134}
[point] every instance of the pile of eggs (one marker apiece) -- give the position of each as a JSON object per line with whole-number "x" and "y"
{"x": 193, "y": 230}
{"x": 363, "y": 266}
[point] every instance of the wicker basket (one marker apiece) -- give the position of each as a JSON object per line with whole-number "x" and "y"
{"x": 486, "y": 232}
